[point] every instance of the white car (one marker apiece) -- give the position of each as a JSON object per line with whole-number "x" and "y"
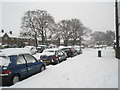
{"x": 31, "y": 49}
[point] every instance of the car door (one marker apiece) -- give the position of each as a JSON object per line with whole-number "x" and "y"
{"x": 32, "y": 64}
{"x": 60, "y": 55}
{"x": 21, "y": 66}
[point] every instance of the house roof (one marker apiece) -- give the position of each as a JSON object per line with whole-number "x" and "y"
{"x": 14, "y": 36}
{"x": 1, "y": 34}
{"x": 10, "y": 35}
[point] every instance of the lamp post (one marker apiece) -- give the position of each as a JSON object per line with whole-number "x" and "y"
{"x": 117, "y": 49}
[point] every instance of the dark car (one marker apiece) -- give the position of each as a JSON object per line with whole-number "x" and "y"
{"x": 14, "y": 68}
{"x": 52, "y": 56}
{"x": 70, "y": 51}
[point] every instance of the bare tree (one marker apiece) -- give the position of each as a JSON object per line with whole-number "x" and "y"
{"x": 65, "y": 30}
{"x": 109, "y": 37}
{"x": 98, "y": 37}
{"x": 77, "y": 30}
{"x": 72, "y": 30}
{"x": 37, "y": 24}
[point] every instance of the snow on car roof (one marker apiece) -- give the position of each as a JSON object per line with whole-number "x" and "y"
{"x": 52, "y": 49}
{"x": 76, "y": 46}
{"x": 49, "y": 52}
{"x": 42, "y": 45}
{"x": 65, "y": 47}
{"x": 61, "y": 47}
{"x": 13, "y": 51}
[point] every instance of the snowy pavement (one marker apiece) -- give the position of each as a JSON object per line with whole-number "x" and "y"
{"x": 82, "y": 71}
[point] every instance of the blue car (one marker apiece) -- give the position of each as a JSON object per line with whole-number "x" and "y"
{"x": 14, "y": 68}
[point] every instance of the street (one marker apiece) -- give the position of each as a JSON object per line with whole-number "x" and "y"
{"x": 83, "y": 71}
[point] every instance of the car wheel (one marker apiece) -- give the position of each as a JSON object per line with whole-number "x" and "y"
{"x": 15, "y": 79}
{"x": 65, "y": 59}
{"x": 42, "y": 68}
{"x": 57, "y": 62}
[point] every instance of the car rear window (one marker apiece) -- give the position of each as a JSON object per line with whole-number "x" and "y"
{"x": 4, "y": 60}
{"x": 49, "y": 52}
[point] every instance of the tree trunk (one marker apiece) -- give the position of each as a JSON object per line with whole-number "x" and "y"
{"x": 74, "y": 43}
{"x": 80, "y": 41}
{"x": 36, "y": 44}
{"x": 58, "y": 42}
{"x": 43, "y": 38}
{"x": 66, "y": 42}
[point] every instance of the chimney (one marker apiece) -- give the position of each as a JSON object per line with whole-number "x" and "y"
{"x": 10, "y": 32}
{"x": 2, "y": 31}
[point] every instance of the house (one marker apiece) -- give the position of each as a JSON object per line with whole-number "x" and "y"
{"x": 10, "y": 39}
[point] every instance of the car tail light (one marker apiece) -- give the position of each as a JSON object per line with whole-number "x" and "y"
{"x": 54, "y": 57}
{"x": 6, "y": 72}
{"x": 70, "y": 49}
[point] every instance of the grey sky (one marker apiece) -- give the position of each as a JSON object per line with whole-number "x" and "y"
{"x": 99, "y": 16}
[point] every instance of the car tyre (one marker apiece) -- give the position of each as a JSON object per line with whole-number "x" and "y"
{"x": 15, "y": 79}
{"x": 57, "y": 62}
{"x": 65, "y": 59}
{"x": 42, "y": 68}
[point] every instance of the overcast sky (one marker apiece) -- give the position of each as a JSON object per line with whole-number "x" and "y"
{"x": 98, "y": 16}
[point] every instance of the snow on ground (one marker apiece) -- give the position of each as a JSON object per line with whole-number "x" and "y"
{"x": 82, "y": 71}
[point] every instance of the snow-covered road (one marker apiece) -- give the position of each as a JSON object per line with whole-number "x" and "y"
{"x": 83, "y": 71}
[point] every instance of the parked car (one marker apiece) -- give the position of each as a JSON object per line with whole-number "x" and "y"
{"x": 52, "y": 56}
{"x": 18, "y": 66}
{"x": 40, "y": 48}
{"x": 82, "y": 46}
{"x": 69, "y": 50}
{"x": 78, "y": 49}
{"x": 31, "y": 49}
{"x": 52, "y": 46}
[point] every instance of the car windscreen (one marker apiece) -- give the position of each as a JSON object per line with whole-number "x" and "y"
{"x": 4, "y": 60}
